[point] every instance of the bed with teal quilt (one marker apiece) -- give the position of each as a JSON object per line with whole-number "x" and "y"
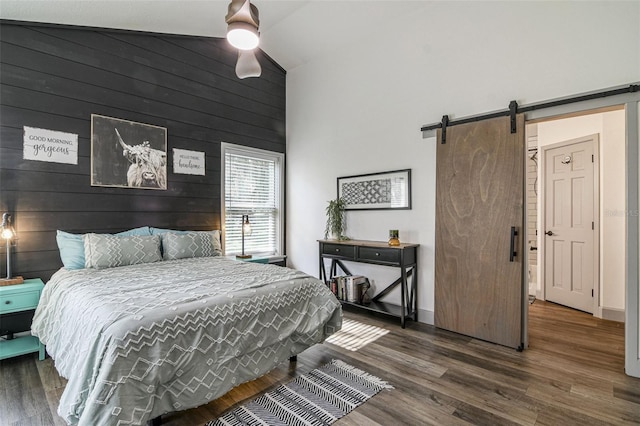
{"x": 141, "y": 340}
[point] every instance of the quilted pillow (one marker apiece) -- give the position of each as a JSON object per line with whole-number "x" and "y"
{"x": 191, "y": 244}
{"x": 71, "y": 246}
{"x": 108, "y": 251}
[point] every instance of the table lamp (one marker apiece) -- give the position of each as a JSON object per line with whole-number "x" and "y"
{"x": 8, "y": 233}
{"x": 246, "y": 230}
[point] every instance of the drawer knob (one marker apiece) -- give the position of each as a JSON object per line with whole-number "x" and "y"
{"x": 338, "y": 250}
{"x": 8, "y": 302}
{"x": 377, "y": 254}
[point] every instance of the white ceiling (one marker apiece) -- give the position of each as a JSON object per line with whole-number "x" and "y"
{"x": 293, "y": 32}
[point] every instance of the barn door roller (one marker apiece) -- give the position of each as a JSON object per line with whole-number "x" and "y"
{"x": 513, "y": 111}
{"x": 444, "y": 123}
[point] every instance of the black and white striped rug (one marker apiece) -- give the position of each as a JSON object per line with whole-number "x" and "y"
{"x": 319, "y": 397}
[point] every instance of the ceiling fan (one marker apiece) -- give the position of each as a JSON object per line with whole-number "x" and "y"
{"x": 242, "y": 33}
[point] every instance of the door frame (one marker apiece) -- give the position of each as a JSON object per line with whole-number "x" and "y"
{"x": 631, "y": 102}
{"x": 596, "y": 308}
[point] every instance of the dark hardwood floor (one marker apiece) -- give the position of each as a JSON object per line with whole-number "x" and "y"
{"x": 572, "y": 373}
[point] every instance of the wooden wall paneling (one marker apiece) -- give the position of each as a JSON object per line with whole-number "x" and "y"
{"x": 97, "y": 202}
{"x": 127, "y": 58}
{"x": 22, "y": 99}
{"x": 29, "y": 59}
{"x": 30, "y": 181}
{"x": 183, "y": 108}
{"x": 183, "y": 121}
{"x": 55, "y": 77}
{"x": 204, "y": 57}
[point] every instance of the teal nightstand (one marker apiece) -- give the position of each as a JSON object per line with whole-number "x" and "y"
{"x": 17, "y": 301}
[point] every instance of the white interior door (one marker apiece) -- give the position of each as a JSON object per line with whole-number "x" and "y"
{"x": 570, "y": 237}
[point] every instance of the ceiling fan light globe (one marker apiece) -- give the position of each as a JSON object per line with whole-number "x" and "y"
{"x": 243, "y": 36}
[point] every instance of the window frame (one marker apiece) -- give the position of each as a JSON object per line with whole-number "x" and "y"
{"x": 279, "y": 159}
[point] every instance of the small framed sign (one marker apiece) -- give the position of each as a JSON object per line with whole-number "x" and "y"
{"x": 188, "y": 162}
{"x": 50, "y": 146}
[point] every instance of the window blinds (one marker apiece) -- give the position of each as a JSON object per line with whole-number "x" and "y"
{"x": 251, "y": 188}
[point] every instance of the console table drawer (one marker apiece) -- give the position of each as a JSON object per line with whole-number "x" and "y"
{"x": 379, "y": 255}
{"x": 339, "y": 250}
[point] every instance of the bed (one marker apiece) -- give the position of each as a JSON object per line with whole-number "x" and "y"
{"x": 140, "y": 340}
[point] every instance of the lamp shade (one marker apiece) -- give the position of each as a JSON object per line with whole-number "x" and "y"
{"x": 246, "y": 230}
{"x": 7, "y": 231}
{"x": 246, "y": 226}
{"x": 242, "y": 25}
{"x": 247, "y": 65}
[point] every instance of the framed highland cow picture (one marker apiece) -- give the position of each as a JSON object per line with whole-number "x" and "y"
{"x": 127, "y": 154}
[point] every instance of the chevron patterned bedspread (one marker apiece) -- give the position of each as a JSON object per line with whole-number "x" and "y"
{"x": 138, "y": 341}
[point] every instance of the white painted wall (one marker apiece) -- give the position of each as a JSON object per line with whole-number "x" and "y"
{"x": 360, "y": 110}
{"x": 610, "y": 127}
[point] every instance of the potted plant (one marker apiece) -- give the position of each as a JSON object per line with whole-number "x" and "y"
{"x": 336, "y": 220}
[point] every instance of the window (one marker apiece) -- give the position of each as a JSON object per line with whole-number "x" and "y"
{"x": 252, "y": 185}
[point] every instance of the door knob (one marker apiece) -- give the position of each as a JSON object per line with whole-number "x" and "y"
{"x": 549, "y": 233}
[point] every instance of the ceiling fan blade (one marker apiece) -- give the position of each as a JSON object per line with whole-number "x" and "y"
{"x": 247, "y": 65}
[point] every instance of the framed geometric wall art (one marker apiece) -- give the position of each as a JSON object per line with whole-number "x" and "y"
{"x": 376, "y": 191}
{"x": 127, "y": 154}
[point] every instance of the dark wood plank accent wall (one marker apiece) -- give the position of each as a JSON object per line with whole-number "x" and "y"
{"x": 55, "y": 77}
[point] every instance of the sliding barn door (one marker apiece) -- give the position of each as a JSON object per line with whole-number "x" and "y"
{"x": 479, "y": 231}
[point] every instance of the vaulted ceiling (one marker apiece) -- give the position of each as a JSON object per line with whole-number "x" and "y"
{"x": 293, "y": 32}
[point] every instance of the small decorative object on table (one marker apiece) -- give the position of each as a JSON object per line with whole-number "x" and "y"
{"x": 8, "y": 233}
{"x": 393, "y": 237}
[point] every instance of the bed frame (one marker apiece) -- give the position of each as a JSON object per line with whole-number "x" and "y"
{"x": 158, "y": 420}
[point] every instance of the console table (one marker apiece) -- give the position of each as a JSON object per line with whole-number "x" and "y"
{"x": 403, "y": 256}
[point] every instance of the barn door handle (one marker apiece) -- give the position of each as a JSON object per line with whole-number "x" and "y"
{"x": 512, "y": 248}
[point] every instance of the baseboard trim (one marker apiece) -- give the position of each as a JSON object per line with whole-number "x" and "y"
{"x": 613, "y": 314}
{"x": 426, "y": 317}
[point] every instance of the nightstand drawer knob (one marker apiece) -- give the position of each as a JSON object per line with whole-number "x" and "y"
{"x": 338, "y": 250}
{"x": 8, "y": 302}
{"x": 377, "y": 254}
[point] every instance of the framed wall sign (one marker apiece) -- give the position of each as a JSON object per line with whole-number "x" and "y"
{"x": 188, "y": 162}
{"x": 376, "y": 191}
{"x": 50, "y": 146}
{"x": 127, "y": 154}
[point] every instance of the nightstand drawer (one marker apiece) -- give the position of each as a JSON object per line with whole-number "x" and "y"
{"x": 339, "y": 250}
{"x": 19, "y": 302}
{"x": 385, "y": 255}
